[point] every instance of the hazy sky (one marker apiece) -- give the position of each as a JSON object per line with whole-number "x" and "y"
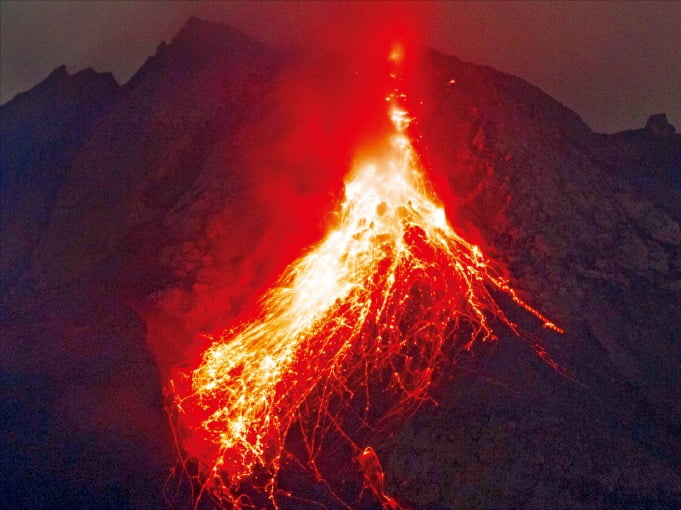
{"x": 614, "y": 63}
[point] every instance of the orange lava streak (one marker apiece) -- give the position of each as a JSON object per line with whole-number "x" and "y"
{"x": 375, "y": 300}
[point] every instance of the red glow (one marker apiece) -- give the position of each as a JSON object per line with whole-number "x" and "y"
{"x": 367, "y": 311}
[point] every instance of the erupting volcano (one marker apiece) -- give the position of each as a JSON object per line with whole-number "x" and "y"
{"x": 350, "y": 336}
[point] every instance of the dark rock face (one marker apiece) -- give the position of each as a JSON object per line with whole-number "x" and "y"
{"x": 115, "y": 199}
{"x": 42, "y": 133}
{"x": 90, "y": 173}
{"x": 599, "y": 254}
{"x": 659, "y": 126}
{"x": 649, "y": 159}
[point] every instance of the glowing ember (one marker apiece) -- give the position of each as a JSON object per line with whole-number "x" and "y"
{"x": 371, "y": 305}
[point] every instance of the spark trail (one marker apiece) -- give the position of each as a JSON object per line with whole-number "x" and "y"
{"x": 373, "y": 304}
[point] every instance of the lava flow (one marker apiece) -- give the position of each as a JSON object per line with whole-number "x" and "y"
{"x": 366, "y": 312}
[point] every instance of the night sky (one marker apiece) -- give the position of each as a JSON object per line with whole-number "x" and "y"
{"x": 613, "y": 63}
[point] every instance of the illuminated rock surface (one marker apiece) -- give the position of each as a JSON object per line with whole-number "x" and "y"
{"x": 166, "y": 195}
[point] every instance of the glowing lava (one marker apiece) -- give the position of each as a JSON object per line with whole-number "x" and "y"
{"x": 372, "y": 304}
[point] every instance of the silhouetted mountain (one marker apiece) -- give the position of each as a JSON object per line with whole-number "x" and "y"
{"x": 649, "y": 158}
{"x": 177, "y": 196}
{"x": 42, "y": 132}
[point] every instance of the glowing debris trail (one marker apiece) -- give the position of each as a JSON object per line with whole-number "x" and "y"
{"x": 374, "y": 301}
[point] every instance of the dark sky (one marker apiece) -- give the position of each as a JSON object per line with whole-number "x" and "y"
{"x": 614, "y": 63}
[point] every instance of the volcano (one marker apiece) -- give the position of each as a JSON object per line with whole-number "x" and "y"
{"x": 142, "y": 224}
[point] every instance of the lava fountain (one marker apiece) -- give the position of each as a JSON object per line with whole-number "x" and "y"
{"x": 372, "y": 305}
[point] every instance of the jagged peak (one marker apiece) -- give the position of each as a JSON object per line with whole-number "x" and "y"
{"x": 198, "y": 31}
{"x": 58, "y": 72}
{"x": 198, "y": 43}
{"x": 61, "y": 75}
{"x": 658, "y": 125}
{"x": 60, "y": 86}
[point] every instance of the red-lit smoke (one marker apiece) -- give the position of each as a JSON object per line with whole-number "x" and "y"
{"x": 352, "y": 333}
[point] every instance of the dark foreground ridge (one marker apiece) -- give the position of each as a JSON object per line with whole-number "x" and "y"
{"x": 116, "y": 199}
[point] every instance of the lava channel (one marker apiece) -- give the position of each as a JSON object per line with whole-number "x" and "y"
{"x": 374, "y": 301}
